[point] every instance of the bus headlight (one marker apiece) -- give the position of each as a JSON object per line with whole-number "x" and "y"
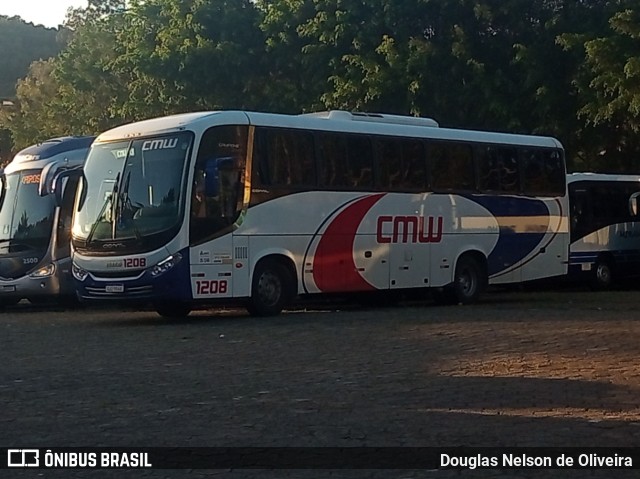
{"x": 44, "y": 272}
{"x": 78, "y": 272}
{"x": 165, "y": 265}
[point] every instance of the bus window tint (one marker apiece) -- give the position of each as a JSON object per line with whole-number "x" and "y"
{"x": 543, "y": 172}
{"x": 360, "y": 154}
{"x": 555, "y": 172}
{"x": 218, "y": 188}
{"x": 498, "y": 170}
{"x": 451, "y": 166}
{"x": 333, "y": 149}
{"x": 288, "y": 159}
{"x": 346, "y": 161}
{"x": 401, "y": 165}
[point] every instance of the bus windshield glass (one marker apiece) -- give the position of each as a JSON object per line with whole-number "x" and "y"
{"x": 26, "y": 218}
{"x": 132, "y": 189}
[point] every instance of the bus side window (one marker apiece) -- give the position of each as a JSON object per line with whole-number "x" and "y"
{"x": 498, "y": 168}
{"x": 534, "y": 174}
{"x": 360, "y": 166}
{"x": 389, "y": 164}
{"x": 289, "y": 158}
{"x": 451, "y": 166}
{"x": 555, "y": 172}
{"x": 414, "y": 165}
{"x": 401, "y": 165}
{"x": 543, "y": 172}
{"x": 333, "y": 150}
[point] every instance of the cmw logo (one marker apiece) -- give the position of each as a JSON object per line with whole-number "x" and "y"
{"x": 166, "y": 144}
{"x": 23, "y": 458}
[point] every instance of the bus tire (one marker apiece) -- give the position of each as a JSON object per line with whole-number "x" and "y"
{"x": 469, "y": 280}
{"x": 271, "y": 289}
{"x": 9, "y": 301}
{"x": 173, "y": 309}
{"x": 602, "y": 278}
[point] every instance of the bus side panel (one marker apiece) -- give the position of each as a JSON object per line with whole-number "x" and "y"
{"x": 466, "y": 226}
{"x": 285, "y": 248}
{"x": 212, "y": 269}
{"x": 621, "y": 241}
{"x": 531, "y": 237}
{"x": 241, "y": 267}
{"x": 551, "y": 258}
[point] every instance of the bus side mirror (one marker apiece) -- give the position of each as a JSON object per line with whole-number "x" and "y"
{"x": 58, "y": 183}
{"x": 2, "y": 187}
{"x": 633, "y": 204}
{"x": 46, "y": 178}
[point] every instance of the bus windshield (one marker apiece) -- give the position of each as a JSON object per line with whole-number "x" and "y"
{"x": 26, "y": 218}
{"x": 133, "y": 189}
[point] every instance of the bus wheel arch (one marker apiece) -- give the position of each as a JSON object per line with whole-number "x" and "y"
{"x": 273, "y": 285}
{"x": 470, "y": 279}
{"x": 603, "y": 272}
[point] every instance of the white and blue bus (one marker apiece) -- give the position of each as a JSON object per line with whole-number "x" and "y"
{"x": 604, "y": 227}
{"x": 232, "y": 206}
{"x": 35, "y": 220}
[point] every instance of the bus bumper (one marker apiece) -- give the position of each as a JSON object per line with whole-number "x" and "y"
{"x": 51, "y": 280}
{"x": 172, "y": 285}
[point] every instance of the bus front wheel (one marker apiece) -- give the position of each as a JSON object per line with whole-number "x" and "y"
{"x": 271, "y": 290}
{"x": 468, "y": 283}
{"x": 173, "y": 309}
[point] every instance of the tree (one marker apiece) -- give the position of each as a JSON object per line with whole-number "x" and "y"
{"x": 606, "y": 83}
{"x": 188, "y": 55}
{"x": 22, "y": 43}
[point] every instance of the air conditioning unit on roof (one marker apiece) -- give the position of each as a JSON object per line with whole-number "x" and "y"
{"x": 342, "y": 115}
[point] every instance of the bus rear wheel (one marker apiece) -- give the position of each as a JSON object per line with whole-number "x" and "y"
{"x": 469, "y": 280}
{"x": 602, "y": 278}
{"x": 271, "y": 290}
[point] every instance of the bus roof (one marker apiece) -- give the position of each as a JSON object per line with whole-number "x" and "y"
{"x": 68, "y": 149}
{"x": 585, "y": 176}
{"x": 334, "y": 121}
{"x": 53, "y": 147}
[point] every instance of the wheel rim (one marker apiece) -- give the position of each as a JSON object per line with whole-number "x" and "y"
{"x": 467, "y": 282}
{"x": 269, "y": 288}
{"x": 603, "y": 273}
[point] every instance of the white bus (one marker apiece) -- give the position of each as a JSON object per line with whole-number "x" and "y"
{"x": 234, "y": 206}
{"x": 35, "y": 220}
{"x": 605, "y": 228}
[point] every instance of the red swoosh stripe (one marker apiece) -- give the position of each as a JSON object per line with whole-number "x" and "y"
{"x": 333, "y": 266}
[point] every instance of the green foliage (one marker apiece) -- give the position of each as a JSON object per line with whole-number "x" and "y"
{"x": 21, "y": 44}
{"x": 190, "y": 55}
{"x": 559, "y": 67}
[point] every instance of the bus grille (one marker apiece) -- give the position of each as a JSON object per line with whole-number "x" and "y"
{"x": 118, "y": 274}
{"x": 129, "y": 292}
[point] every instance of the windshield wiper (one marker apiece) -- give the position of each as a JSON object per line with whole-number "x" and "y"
{"x": 110, "y": 198}
{"x": 124, "y": 204}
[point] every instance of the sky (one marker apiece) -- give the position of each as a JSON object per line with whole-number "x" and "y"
{"x": 49, "y": 13}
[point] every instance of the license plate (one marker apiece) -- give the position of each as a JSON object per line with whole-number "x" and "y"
{"x": 114, "y": 288}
